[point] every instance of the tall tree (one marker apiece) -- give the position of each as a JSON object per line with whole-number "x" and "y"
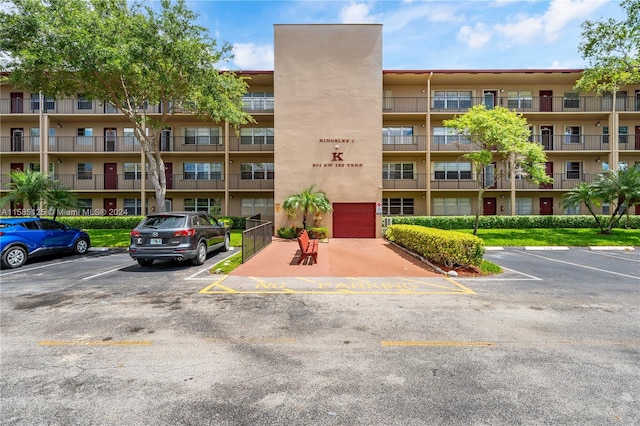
{"x": 499, "y": 133}
{"x": 611, "y": 49}
{"x": 309, "y": 200}
{"x": 125, "y": 54}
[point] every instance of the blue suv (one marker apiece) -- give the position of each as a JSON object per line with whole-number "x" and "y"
{"x": 26, "y": 237}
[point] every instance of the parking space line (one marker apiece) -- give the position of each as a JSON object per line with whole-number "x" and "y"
{"x": 104, "y": 273}
{"x": 254, "y": 341}
{"x": 585, "y": 266}
{"x": 27, "y": 269}
{"x": 614, "y": 256}
{"x": 95, "y": 343}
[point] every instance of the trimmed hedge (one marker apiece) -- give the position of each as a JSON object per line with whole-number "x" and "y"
{"x": 128, "y": 222}
{"x": 291, "y": 232}
{"x": 511, "y": 222}
{"x": 447, "y": 248}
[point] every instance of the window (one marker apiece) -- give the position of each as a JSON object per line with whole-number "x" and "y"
{"x": 132, "y": 171}
{"x": 203, "y": 171}
{"x": 401, "y": 206}
{"x": 85, "y": 206}
{"x": 49, "y": 102}
{"x": 256, "y": 171}
{"x": 450, "y": 170}
{"x": 132, "y": 207}
{"x": 572, "y": 210}
{"x": 451, "y": 206}
{"x": 572, "y": 134}
{"x": 258, "y": 101}
{"x": 397, "y": 135}
{"x": 210, "y": 205}
{"x": 519, "y": 99}
{"x": 34, "y": 136}
{"x": 606, "y": 208}
{"x": 256, "y": 136}
{"x": 573, "y": 169}
{"x": 129, "y": 136}
{"x": 623, "y": 134}
{"x": 524, "y": 206}
{"x": 202, "y": 135}
{"x": 83, "y": 103}
{"x": 84, "y": 171}
{"x": 571, "y": 100}
{"x": 394, "y": 171}
{"x": 445, "y": 136}
{"x": 253, "y": 206}
{"x": 85, "y": 136}
{"x": 455, "y": 100}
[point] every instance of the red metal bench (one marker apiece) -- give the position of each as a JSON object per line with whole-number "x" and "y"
{"x": 308, "y": 247}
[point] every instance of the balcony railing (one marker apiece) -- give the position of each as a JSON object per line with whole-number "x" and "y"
{"x": 404, "y": 143}
{"x": 251, "y": 143}
{"x": 549, "y": 143}
{"x": 520, "y": 104}
{"x": 418, "y": 181}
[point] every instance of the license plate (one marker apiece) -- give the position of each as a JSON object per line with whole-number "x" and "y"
{"x": 155, "y": 241}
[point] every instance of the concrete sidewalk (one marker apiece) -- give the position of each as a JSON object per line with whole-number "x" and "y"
{"x": 339, "y": 257}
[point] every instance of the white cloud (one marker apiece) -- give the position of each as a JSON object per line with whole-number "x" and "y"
{"x": 251, "y": 56}
{"x": 474, "y": 37}
{"x": 524, "y": 31}
{"x": 356, "y": 13}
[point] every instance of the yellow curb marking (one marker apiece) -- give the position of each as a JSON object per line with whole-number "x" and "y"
{"x": 95, "y": 343}
{"x": 433, "y": 343}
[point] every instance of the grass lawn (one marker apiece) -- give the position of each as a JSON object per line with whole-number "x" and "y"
{"x": 120, "y": 237}
{"x": 557, "y": 237}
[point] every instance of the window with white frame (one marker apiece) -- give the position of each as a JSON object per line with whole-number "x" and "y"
{"x": 202, "y": 135}
{"x": 398, "y": 171}
{"x": 83, "y": 102}
{"x": 445, "y": 136}
{"x": 133, "y": 171}
{"x": 84, "y": 171}
{"x": 571, "y": 100}
{"x": 254, "y": 206}
{"x": 49, "y": 102}
{"x": 130, "y": 136}
{"x": 256, "y": 171}
{"x": 452, "y": 99}
{"x": 202, "y": 171}
{"x": 452, "y": 170}
{"x": 606, "y": 208}
{"x": 258, "y": 101}
{"x": 574, "y": 210}
{"x": 522, "y": 99}
{"x": 451, "y": 206}
{"x": 572, "y": 134}
{"x": 85, "y": 206}
{"x": 132, "y": 207}
{"x": 573, "y": 169}
{"x": 85, "y": 136}
{"x": 256, "y": 136}
{"x": 210, "y": 205}
{"x": 394, "y": 135}
{"x": 524, "y": 206}
{"x": 34, "y": 136}
{"x": 397, "y": 206}
{"x": 623, "y": 134}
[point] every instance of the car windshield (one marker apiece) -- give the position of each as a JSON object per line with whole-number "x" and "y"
{"x": 164, "y": 222}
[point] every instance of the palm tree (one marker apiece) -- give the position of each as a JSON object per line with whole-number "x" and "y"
{"x": 308, "y": 201}
{"x": 28, "y": 187}
{"x": 58, "y": 199}
{"x": 583, "y": 193}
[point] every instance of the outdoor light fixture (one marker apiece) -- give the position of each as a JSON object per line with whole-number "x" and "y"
{"x": 59, "y": 126}
{"x": 598, "y": 160}
{"x": 336, "y": 146}
{"x": 59, "y": 161}
{"x": 597, "y": 123}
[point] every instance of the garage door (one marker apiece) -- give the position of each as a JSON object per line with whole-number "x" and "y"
{"x": 354, "y": 220}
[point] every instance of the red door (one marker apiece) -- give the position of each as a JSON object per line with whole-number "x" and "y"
{"x": 110, "y": 176}
{"x": 637, "y": 137}
{"x": 168, "y": 171}
{"x": 17, "y": 103}
{"x": 110, "y": 206}
{"x": 546, "y": 206}
{"x": 489, "y": 206}
{"x": 546, "y": 100}
{"x": 354, "y": 220}
{"x": 549, "y": 170}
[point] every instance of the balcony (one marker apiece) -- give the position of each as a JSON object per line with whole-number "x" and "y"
{"x": 455, "y": 105}
{"x": 451, "y": 143}
{"x": 64, "y": 106}
{"x": 417, "y": 182}
{"x": 404, "y": 143}
{"x": 251, "y": 143}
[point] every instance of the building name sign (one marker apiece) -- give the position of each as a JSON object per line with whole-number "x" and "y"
{"x": 337, "y": 140}
{"x": 337, "y": 160}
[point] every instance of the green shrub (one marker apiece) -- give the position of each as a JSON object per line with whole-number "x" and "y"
{"x": 318, "y": 233}
{"x": 511, "y": 222}
{"x": 288, "y": 232}
{"x": 448, "y": 248}
{"x": 100, "y": 222}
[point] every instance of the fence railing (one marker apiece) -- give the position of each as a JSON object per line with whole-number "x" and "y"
{"x": 257, "y": 236}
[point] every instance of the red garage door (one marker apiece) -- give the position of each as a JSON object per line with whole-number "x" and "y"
{"x": 354, "y": 220}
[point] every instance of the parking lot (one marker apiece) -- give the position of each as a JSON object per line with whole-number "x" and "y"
{"x": 100, "y": 340}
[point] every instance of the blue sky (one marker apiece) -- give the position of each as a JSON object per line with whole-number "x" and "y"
{"x": 420, "y": 34}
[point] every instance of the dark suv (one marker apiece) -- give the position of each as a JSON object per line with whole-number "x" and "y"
{"x": 178, "y": 236}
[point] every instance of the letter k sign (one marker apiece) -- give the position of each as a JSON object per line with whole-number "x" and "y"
{"x": 337, "y": 156}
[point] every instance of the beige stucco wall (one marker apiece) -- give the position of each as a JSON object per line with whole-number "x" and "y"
{"x": 327, "y": 87}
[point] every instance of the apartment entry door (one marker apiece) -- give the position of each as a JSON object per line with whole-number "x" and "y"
{"x": 637, "y": 137}
{"x": 489, "y": 206}
{"x": 490, "y": 98}
{"x": 110, "y": 176}
{"x": 110, "y": 206}
{"x": 546, "y": 206}
{"x": 17, "y": 140}
{"x": 546, "y": 100}
{"x": 168, "y": 171}
{"x": 109, "y": 139}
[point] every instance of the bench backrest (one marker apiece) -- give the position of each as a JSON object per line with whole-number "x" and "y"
{"x": 303, "y": 240}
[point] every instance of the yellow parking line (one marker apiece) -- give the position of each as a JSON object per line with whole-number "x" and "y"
{"x": 251, "y": 340}
{"x": 433, "y": 343}
{"x": 95, "y": 343}
{"x": 217, "y": 284}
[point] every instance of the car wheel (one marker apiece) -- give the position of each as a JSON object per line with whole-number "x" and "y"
{"x": 227, "y": 242}
{"x": 14, "y": 257}
{"x": 201, "y": 256}
{"x": 145, "y": 262}
{"x": 81, "y": 246}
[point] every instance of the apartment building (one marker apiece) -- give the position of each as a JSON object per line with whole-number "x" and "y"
{"x": 330, "y": 116}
